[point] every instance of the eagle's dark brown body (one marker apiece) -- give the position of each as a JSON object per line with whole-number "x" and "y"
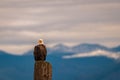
{"x": 40, "y": 52}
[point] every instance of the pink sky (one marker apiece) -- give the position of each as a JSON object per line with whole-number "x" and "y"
{"x": 23, "y": 22}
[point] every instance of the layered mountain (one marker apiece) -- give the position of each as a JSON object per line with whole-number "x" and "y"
{"x": 81, "y": 62}
{"x": 81, "y": 48}
{"x": 4, "y": 53}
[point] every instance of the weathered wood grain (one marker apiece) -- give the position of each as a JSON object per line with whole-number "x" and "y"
{"x": 42, "y": 70}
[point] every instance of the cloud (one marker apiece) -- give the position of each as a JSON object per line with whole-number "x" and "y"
{"x": 23, "y": 22}
{"x": 16, "y": 49}
{"x": 94, "y": 53}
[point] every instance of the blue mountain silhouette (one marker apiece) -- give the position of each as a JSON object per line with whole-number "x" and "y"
{"x": 81, "y": 48}
{"x": 15, "y": 67}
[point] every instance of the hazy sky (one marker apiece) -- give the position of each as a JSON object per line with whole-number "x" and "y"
{"x": 23, "y": 22}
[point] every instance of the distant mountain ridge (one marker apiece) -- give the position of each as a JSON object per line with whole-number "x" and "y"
{"x": 81, "y": 48}
{"x": 116, "y": 49}
{"x": 77, "y": 67}
{"x": 4, "y": 53}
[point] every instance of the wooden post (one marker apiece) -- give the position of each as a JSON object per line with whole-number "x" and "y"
{"x": 42, "y": 70}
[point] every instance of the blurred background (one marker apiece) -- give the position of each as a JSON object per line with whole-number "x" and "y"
{"x": 81, "y": 36}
